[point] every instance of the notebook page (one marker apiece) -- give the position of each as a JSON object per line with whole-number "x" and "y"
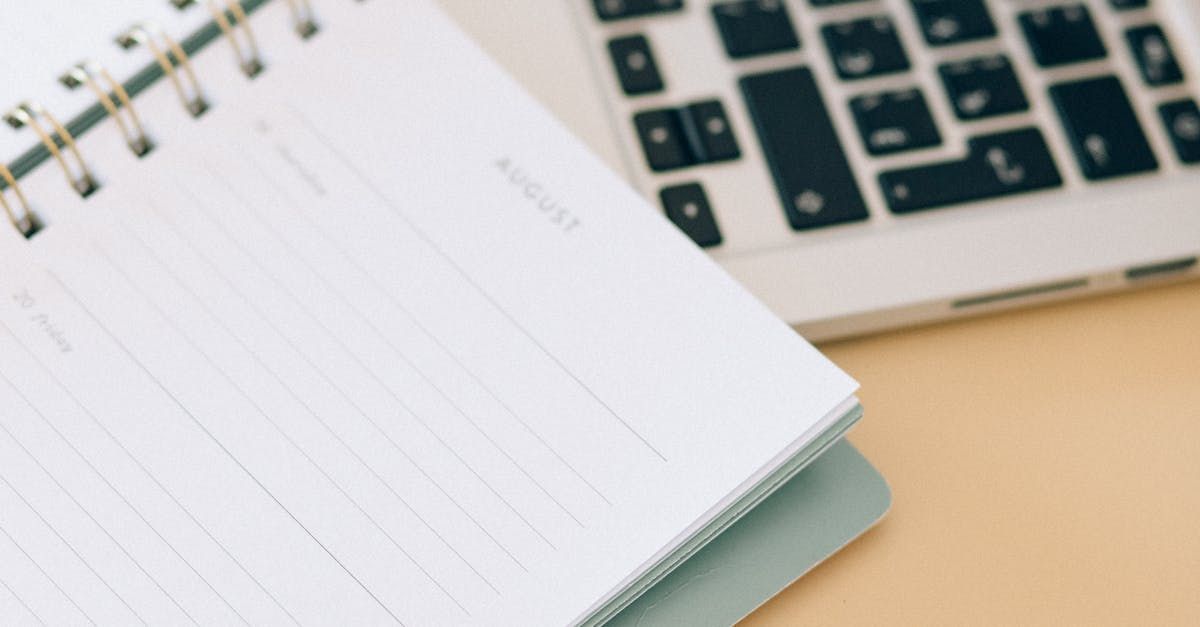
{"x": 330, "y": 362}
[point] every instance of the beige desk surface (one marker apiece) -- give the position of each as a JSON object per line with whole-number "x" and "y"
{"x": 1045, "y": 465}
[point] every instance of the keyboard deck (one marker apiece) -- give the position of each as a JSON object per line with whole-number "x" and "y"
{"x": 855, "y": 111}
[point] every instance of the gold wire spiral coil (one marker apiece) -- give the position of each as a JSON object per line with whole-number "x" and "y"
{"x": 26, "y": 222}
{"x": 88, "y": 73}
{"x": 304, "y": 18}
{"x": 194, "y": 100}
{"x": 29, "y": 114}
{"x": 248, "y": 59}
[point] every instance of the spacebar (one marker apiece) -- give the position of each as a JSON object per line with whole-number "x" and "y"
{"x": 996, "y": 165}
{"x": 802, "y": 148}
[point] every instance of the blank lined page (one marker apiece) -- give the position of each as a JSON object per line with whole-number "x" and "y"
{"x": 375, "y": 342}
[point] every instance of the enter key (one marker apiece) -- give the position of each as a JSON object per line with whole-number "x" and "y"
{"x": 996, "y": 165}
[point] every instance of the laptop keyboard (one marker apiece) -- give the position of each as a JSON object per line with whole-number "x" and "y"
{"x": 1002, "y": 149}
{"x": 803, "y": 149}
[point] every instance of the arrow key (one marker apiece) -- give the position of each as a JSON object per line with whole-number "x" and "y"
{"x": 687, "y": 206}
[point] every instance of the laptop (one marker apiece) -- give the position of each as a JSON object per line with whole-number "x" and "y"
{"x": 863, "y": 165}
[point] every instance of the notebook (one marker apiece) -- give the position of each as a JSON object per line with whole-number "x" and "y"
{"x": 371, "y": 340}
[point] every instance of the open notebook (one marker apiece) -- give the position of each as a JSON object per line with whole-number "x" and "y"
{"x": 373, "y": 340}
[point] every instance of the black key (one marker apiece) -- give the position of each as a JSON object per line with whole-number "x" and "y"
{"x": 635, "y": 65}
{"x": 1124, "y": 5}
{"x": 1182, "y": 119}
{"x": 677, "y": 138}
{"x": 664, "y": 140}
{"x": 1102, "y": 127}
{"x": 946, "y": 22}
{"x": 609, "y": 10}
{"x": 866, "y": 47}
{"x": 895, "y": 121}
{"x": 983, "y": 87}
{"x": 687, "y": 206}
{"x": 754, "y": 27}
{"x": 996, "y": 165}
{"x": 1154, "y": 56}
{"x": 712, "y": 135}
{"x": 802, "y": 148}
{"x": 1062, "y": 35}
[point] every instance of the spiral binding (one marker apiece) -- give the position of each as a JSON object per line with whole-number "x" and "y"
{"x": 249, "y": 59}
{"x": 115, "y": 99}
{"x": 29, "y": 114}
{"x": 194, "y": 101}
{"x": 26, "y": 222}
{"x": 85, "y": 73}
{"x": 304, "y": 18}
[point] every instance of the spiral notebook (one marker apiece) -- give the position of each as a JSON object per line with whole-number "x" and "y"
{"x": 343, "y": 328}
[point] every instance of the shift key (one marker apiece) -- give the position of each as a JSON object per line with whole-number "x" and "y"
{"x": 1104, "y": 130}
{"x": 810, "y": 169}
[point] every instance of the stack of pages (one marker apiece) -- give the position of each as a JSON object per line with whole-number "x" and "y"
{"x": 374, "y": 340}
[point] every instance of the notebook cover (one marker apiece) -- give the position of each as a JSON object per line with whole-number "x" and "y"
{"x": 760, "y": 495}
{"x": 816, "y": 513}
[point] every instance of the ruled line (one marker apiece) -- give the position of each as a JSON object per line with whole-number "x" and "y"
{"x": 45, "y": 574}
{"x": 371, "y": 373}
{"x": 294, "y": 395}
{"x": 13, "y": 594}
{"x": 75, "y": 501}
{"x": 394, "y": 207}
{"x": 241, "y": 391}
{"x": 343, "y": 394}
{"x": 378, "y": 333}
{"x": 4, "y": 480}
{"x": 416, "y": 322}
{"x": 179, "y": 404}
{"x": 96, "y": 472}
{"x": 154, "y": 479}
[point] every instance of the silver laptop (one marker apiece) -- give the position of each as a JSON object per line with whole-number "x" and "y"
{"x": 868, "y": 164}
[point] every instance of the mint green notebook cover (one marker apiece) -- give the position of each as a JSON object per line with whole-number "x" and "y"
{"x": 822, "y": 509}
{"x": 788, "y": 524}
